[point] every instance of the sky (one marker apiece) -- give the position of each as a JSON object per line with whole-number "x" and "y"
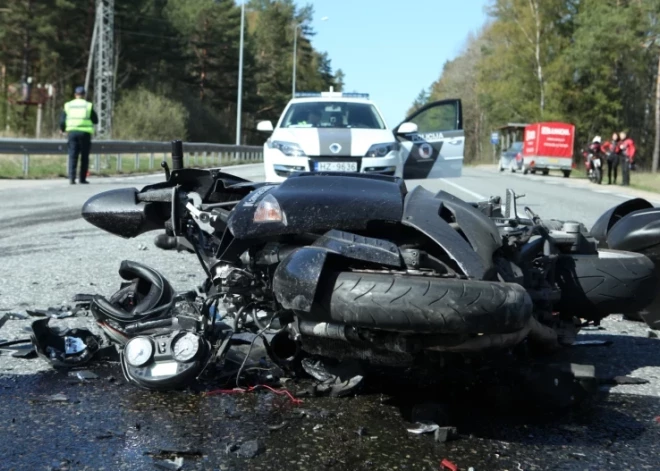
{"x": 393, "y": 49}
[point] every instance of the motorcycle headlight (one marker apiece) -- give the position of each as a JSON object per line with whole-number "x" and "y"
{"x": 381, "y": 150}
{"x": 290, "y": 149}
{"x": 269, "y": 210}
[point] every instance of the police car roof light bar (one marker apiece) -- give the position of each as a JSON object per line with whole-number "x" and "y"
{"x": 332, "y": 94}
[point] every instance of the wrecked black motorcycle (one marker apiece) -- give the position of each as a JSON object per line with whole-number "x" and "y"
{"x": 349, "y": 266}
{"x": 634, "y": 226}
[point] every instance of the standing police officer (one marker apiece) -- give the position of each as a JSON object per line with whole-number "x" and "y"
{"x": 78, "y": 120}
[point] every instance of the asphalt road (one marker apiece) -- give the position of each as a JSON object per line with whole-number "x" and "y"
{"x": 48, "y": 253}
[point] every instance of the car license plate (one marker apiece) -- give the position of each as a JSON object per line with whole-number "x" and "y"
{"x": 336, "y": 166}
{"x": 553, "y": 161}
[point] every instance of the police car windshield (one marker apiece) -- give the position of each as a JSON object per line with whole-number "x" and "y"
{"x": 330, "y": 114}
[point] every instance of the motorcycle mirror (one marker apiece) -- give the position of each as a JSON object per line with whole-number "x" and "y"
{"x": 118, "y": 212}
{"x": 164, "y": 165}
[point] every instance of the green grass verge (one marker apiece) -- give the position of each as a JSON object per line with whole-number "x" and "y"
{"x": 44, "y": 166}
{"x": 645, "y": 181}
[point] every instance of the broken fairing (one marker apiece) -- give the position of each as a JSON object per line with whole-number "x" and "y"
{"x": 72, "y": 347}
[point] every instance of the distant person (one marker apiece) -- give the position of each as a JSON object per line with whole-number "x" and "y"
{"x": 612, "y": 150}
{"x": 314, "y": 117}
{"x": 78, "y": 120}
{"x": 627, "y": 157}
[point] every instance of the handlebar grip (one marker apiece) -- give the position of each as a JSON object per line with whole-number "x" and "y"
{"x": 177, "y": 155}
{"x": 163, "y": 195}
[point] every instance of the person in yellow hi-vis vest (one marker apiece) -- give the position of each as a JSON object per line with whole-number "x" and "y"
{"x": 78, "y": 120}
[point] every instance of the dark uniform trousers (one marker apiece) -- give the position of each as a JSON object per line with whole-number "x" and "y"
{"x": 80, "y": 143}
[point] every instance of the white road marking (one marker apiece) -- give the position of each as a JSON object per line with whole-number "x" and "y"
{"x": 463, "y": 189}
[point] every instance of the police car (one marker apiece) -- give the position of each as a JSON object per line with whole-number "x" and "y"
{"x": 345, "y": 132}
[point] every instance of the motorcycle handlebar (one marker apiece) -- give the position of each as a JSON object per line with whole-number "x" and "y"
{"x": 163, "y": 195}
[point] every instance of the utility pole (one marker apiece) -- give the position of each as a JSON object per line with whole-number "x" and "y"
{"x": 104, "y": 70}
{"x": 295, "y": 59}
{"x": 239, "y": 104}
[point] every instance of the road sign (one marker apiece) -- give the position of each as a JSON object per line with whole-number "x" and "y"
{"x": 494, "y": 138}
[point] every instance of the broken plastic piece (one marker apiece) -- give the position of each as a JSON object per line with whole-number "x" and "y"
{"x": 424, "y": 427}
{"x": 53, "y": 398}
{"x": 172, "y": 465}
{"x": 66, "y": 349}
{"x": 249, "y": 449}
{"x": 592, "y": 343}
{"x": 337, "y": 381}
{"x": 620, "y": 380}
{"x": 83, "y": 375}
{"x": 444, "y": 434}
{"x": 446, "y": 464}
{"x": 274, "y": 428}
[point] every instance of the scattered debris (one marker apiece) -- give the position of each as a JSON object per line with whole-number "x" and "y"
{"x": 592, "y": 327}
{"x": 173, "y": 465}
{"x": 317, "y": 427}
{"x": 142, "y": 247}
{"x": 249, "y": 449}
{"x": 621, "y": 380}
{"x": 53, "y": 398}
{"x": 54, "y": 313}
{"x": 444, "y": 434}
{"x": 336, "y": 381}
{"x": 274, "y": 428}
{"x": 25, "y": 351}
{"x": 577, "y": 455}
{"x": 110, "y": 434}
{"x": 83, "y": 375}
{"x": 592, "y": 343}
{"x": 362, "y": 432}
{"x": 424, "y": 427}
{"x": 446, "y": 464}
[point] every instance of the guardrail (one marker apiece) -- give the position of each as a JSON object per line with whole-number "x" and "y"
{"x": 194, "y": 152}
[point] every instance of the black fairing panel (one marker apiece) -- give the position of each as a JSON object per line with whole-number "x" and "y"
{"x": 366, "y": 249}
{"x": 477, "y": 227}
{"x": 314, "y": 202}
{"x": 638, "y": 231}
{"x": 422, "y": 212}
{"x": 610, "y": 217}
{"x": 296, "y": 277}
{"x": 118, "y": 212}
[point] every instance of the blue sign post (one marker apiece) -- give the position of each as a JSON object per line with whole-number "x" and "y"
{"x": 494, "y": 138}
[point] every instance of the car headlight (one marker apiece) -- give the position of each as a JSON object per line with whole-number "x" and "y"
{"x": 381, "y": 150}
{"x": 290, "y": 149}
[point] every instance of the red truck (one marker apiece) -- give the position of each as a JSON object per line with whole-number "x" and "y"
{"x": 548, "y": 146}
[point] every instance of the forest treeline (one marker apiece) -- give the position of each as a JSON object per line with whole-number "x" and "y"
{"x": 593, "y": 63}
{"x": 176, "y": 64}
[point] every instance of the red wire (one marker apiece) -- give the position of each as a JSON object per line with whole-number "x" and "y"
{"x": 252, "y": 388}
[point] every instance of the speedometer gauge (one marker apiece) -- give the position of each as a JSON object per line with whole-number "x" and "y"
{"x": 138, "y": 351}
{"x": 185, "y": 347}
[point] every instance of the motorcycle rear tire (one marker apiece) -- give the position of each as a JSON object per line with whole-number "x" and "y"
{"x": 593, "y": 287}
{"x": 421, "y": 304}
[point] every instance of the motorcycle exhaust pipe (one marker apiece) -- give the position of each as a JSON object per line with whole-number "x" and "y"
{"x": 283, "y": 348}
{"x": 539, "y": 334}
{"x": 323, "y": 329}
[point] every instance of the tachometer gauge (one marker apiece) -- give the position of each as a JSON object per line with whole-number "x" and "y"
{"x": 185, "y": 347}
{"x": 138, "y": 351}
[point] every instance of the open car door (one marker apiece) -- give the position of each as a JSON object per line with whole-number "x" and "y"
{"x": 435, "y": 148}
